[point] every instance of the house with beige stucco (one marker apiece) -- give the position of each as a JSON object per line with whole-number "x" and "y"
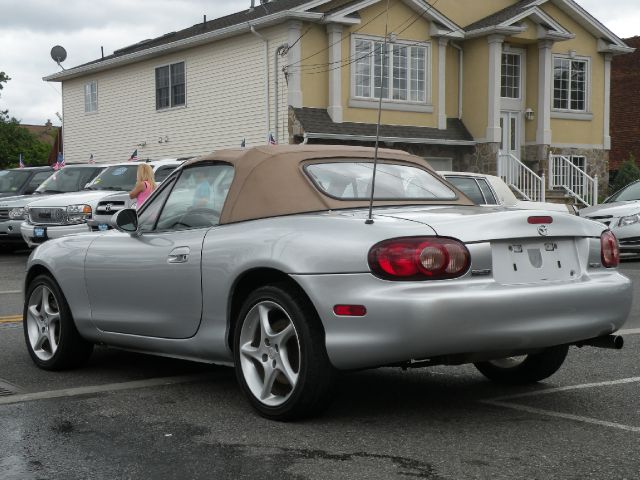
{"x": 514, "y": 88}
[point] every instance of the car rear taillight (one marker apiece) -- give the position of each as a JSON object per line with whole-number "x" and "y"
{"x": 609, "y": 251}
{"x": 419, "y": 258}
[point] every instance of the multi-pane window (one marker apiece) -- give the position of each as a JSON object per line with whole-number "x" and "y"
{"x": 170, "y": 86}
{"x": 510, "y": 75}
{"x": 570, "y": 84}
{"x": 400, "y": 74}
{"x": 91, "y": 96}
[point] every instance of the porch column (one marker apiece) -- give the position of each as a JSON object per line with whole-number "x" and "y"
{"x": 294, "y": 56}
{"x": 494, "y": 133}
{"x": 334, "y": 32}
{"x": 607, "y": 101}
{"x": 442, "y": 83}
{"x": 545, "y": 89}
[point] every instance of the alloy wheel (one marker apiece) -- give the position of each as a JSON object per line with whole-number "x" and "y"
{"x": 269, "y": 353}
{"x": 43, "y": 322}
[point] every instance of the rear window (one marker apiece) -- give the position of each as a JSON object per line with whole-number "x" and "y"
{"x": 352, "y": 181}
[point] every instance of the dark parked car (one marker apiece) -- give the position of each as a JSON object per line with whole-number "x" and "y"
{"x": 22, "y": 181}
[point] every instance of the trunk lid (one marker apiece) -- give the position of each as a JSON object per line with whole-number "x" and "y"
{"x": 480, "y": 224}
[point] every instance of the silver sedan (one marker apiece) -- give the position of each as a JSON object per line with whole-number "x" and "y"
{"x": 267, "y": 260}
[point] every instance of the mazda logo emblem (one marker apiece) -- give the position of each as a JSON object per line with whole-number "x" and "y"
{"x": 542, "y": 230}
{"x": 108, "y": 207}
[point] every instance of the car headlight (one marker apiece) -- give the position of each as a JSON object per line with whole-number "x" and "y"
{"x": 19, "y": 213}
{"x": 78, "y": 213}
{"x": 629, "y": 220}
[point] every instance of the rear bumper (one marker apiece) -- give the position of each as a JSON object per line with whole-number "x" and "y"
{"x": 419, "y": 320}
{"x": 52, "y": 231}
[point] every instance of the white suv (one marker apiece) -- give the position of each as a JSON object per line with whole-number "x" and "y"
{"x": 60, "y": 215}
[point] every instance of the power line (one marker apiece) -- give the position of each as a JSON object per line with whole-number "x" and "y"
{"x": 351, "y": 60}
{"x": 341, "y": 38}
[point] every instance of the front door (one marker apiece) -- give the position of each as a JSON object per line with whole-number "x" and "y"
{"x": 510, "y": 124}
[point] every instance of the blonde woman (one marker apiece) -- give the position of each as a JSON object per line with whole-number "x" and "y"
{"x": 145, "y": 184}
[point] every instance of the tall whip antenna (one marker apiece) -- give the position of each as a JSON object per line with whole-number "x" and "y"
{"x": 369, "y": 220}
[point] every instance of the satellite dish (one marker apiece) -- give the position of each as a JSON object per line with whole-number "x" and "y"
{"x": 59, "y": 54}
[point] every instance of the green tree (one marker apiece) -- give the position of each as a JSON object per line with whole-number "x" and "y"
{"x": 627, "y": 173}
{"x": 16, "y": 140}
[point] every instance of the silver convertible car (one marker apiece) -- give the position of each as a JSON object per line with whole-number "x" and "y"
{"x": 265, "y": 259}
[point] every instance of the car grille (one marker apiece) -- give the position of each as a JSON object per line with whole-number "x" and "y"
{"x": 109, "y": 208}
{"x": 606, "y": 219}
{"x": 4, "y": 214}
{"x": 46, "y": 216}
{"x": 629, "y": 242}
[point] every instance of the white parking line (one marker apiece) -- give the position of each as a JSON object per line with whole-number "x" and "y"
{"x": 566, "y": 416}
{"x": 629, "y": 331}
{"x": 503, "y": 402}
{"x": 112, "y": 387}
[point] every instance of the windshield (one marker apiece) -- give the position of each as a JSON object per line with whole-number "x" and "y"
{"x": 118, "y": 177}
{"x": 68, "y": 179}
{"x": 352, "y": 181}
{"x": 12, "y": 180}
{"x": 628, "y": 193}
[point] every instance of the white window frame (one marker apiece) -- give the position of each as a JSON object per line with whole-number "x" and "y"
{"x": 520, "y": 55}
{"x": 390, "y": 103}
{"x": 568, "y": 112}
{"x": 155, "y": 86}
{"x": 90, "y": 100}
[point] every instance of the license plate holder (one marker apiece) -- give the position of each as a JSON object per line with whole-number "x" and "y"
{"x": 103, "y": 227}
{"x": 535, "y": 261}
{"x": 40, "y": 232}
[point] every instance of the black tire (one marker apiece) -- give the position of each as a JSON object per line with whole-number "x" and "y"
{"x": 313, "y": 388}
{"x": 72, "y": 350}
{"x": 533, "y": 368}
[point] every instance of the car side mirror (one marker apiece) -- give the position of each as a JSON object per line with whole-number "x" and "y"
{"x": 125, "y": 220}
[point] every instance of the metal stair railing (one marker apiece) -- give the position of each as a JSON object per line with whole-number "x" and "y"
{"x": 563, "y": 173}
{"x": 521, "y": 178}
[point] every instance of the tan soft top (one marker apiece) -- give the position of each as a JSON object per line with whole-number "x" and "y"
{"x": 270, "y": 181}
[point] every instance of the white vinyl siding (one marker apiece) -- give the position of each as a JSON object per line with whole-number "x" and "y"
{"x": 91, "y": 97}
{"x": 226, "y": 103}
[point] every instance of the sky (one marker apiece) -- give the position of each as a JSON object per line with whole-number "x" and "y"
{"x": 29, "y": 28}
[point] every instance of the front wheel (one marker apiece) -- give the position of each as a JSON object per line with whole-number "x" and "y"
{"x": 52, "y": 339}
{"x": 526, "y": 368}
{"x": 280, "y": 357}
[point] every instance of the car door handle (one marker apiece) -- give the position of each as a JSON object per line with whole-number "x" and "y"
{"x": 179, "y": 255}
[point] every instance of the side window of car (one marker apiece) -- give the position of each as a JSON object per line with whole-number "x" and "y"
{"x": 198, "y": 198}
{"x": 148, "y": 216}
{"x": 36, "y": 180}
{"x": 469, "y": 187}
{"x": 163, "y": 172}
{"x": 489, "y": 197}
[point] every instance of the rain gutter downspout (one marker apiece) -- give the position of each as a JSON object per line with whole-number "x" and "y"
{"x": 281, "y": 50}
{"x": 266, "y": 70}
{"x": 460, "y": 76}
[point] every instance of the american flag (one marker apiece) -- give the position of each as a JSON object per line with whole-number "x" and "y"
{"x": 59, "y": 162}
{"x": 21, "y": 162}
{"x": 134, "y": 156}
{"x": 271, "y": 140}
{"x": 91, "y": 159}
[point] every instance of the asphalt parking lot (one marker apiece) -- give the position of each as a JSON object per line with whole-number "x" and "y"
{"x": 134, "y": 416}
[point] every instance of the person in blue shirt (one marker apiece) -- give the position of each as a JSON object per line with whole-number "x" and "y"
{"x": 202, "y": 194}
